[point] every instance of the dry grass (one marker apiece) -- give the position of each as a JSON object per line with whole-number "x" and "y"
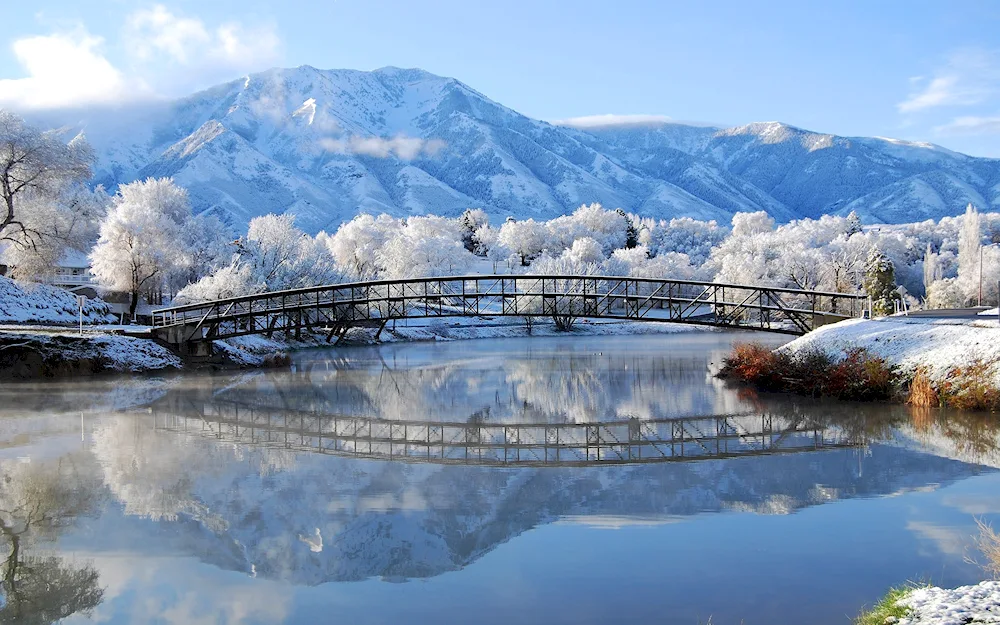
{"x": 860, "y": 375}
{"x": 922, "y": 393}
{"x": 971, "y": 388}
{"x": 757, "y": 365}
{"x": 988, "y": 543}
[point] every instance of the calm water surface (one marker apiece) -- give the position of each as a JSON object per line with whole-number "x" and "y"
{"x": 546, "y": 480}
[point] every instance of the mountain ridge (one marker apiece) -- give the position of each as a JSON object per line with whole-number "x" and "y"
{"x": 328, "y": 144}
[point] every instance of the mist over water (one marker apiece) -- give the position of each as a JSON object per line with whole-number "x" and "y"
{"x": 539, "y": 480}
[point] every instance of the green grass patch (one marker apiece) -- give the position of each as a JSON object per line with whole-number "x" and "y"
{"x": 886, "y": 610}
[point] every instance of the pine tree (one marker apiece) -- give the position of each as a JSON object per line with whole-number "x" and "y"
{"x": 853, "y": 224}
{"x": 631, "y": 233}
{"x": 880, "y": 283}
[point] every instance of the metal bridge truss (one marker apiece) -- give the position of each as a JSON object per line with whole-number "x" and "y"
{"x": 341, "y": 306}
{"x": 631, "y": 441}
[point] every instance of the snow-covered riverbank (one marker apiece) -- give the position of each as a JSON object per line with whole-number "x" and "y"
{"x": 938, "y": 346}
{"x": 27, "y": 354}
{"x": 958, "y": 606}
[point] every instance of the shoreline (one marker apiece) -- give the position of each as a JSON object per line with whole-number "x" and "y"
{"x": 52, "y": 352}
{"x": 976, "y": 603}
{"x": 926, "y": 362}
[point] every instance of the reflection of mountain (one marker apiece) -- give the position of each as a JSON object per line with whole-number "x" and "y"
{"x": 281, "y": 512}
{"x": 322, "y": 519}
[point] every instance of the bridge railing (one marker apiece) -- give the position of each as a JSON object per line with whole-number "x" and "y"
{"x": 512, "y": 295}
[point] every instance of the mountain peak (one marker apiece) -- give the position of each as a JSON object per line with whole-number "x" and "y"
{"x": 326, "y": 144}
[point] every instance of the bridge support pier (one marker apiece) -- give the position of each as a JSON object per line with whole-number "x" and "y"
{"x": 186, "y": 340}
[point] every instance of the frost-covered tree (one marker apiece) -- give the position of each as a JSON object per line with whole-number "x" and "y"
{"x": 471, "y": 220}
{"x": 607, "y": 227}
{"x": 209, "y": 245}
{"x": 426, "y": 246}
{"x": 683, "y": 234}
{"x": 945, "y": 293}
{"x": 749, "y": 224}
{"x": 932, "y": 268}
{"x": 880, "y": 283}
{"x": 853, "y": 224}
{"x": 41, "y": 176}
{"x": 488, "y": 245}
{"x": 142, "y": 240}
{"x": 233, "y": 280}
{"x": 631, "y": 232}
{"x": 846, "y": 257}
{"x": 356, "y": 244}
{"x": 525, "y": 238}
{"x": 71, "y": 221}
{"x": 282, "y": 256}
{"x": 969, "y": 242}
{"x": 273, "y": 256}
{"x": 585, "y": 251}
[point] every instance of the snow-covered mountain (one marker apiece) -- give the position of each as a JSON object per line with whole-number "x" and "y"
{"x": 326, "y": 144}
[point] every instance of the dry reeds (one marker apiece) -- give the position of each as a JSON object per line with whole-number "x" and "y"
{"x": 922, "y": 393}
{"x": 988, "y": 543}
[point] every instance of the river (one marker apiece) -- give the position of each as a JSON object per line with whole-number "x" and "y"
{"x": 540, "y": 480}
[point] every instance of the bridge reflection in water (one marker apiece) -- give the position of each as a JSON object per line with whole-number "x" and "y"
{"x": 629, "y": 441}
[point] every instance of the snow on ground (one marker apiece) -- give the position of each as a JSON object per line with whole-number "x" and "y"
{"x": 250, "y": 350}
{"x": 25, "y": 302}
{"x": 478, "y": 328}
{"x": 114, "y": 352}
{"x": 959, "y": 606}
{"x": 910, "y": 342}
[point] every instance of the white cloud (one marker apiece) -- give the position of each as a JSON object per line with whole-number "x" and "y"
{"x": 970, "y": 125}
{"x": 403, "y": 147}
{"x": 609, "y": 120}
{"x": 969, "y": 77}
{"x": 949, "y": 540}
{"x": 63, "y": 70}
{"x": 189, "y": 41}
{"x": 166, "y": 55}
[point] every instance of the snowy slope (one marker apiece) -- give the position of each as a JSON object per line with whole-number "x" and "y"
{"x": 326, "y": 144}
{"x": 25, "y": 302}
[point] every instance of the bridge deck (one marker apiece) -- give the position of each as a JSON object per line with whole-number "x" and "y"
{"x": 339, "y": 306}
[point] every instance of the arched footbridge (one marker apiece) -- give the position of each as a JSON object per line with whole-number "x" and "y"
{"x": 338, "y": 307}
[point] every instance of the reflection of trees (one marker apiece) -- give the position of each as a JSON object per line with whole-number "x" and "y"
{"x": 974, "y": 435}
{"x": 561, "y": 385}
{"x": 47, "y": 589}
{"x": 37, "y": 501}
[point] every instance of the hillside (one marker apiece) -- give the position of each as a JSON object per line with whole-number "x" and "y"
{"x": 326, "y": 144}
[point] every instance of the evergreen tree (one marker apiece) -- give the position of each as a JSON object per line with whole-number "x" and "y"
{"x": 471, "y": 220}
{"x": 631, "y": 232}
{"x": 853, "y": 223}
{"x": 880, "y": 283}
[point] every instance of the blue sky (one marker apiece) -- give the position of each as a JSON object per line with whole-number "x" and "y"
{"x": 926, "y": 71}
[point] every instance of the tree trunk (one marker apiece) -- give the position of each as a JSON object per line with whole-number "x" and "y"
{"x": 133, "y": 304}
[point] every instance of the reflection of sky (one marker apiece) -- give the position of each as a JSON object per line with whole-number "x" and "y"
{"x": 660, "y": 543}
{"x": 809, "y": 567}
